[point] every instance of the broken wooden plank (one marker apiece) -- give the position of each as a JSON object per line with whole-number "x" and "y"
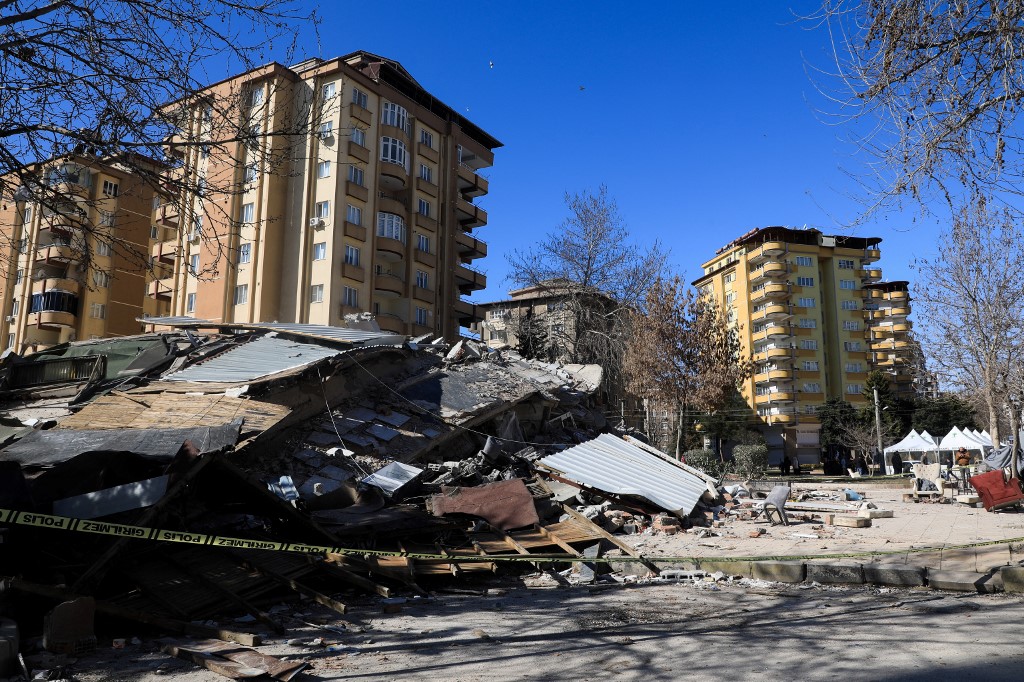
{"x": 169, "y": 624}
{"x": 352, "y": 578}
{"x": 611, "y": 538}
{"x": 304, "y": 590}
{"x": 233, "y": 661}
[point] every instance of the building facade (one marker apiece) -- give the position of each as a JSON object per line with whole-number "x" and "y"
{"x": 368, "y": 204}
{"x": 74, "y": 261}
{"x": 816, "y": 317}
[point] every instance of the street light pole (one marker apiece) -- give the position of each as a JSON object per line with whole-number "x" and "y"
{"x": 878, "y": 424}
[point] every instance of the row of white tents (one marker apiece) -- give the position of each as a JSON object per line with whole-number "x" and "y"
{"x": 978, "y": 441}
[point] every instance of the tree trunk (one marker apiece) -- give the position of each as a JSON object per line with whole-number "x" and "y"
{"x": 993, "y": 423}
{"x": 679, "y": 433}
{"x": 1015, "y": 439}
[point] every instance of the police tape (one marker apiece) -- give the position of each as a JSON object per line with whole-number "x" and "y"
{"x": 121, "y": 530}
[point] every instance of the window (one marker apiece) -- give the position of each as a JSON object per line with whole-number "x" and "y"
{"x": 426, "y": 173}
{"x": 255, "y": 97}
{"x": 392, "y": 150}
{"x": 15, "y": 307}
{"x": 359, "y": 136}
{"x": 322, "y": 209}
{"x": 731, "y": 277}
{"x": 27, "y": 215}
{"x": 351, "y": 297}
{"x": 806, "y": 303}
{"x": 423, "y": 243}
{"x": 193, "y": 264}
{"x": 106, "y": 219}
{"x": 394, "y": 115}
{"x": 359, "y": 98}
{"x": 250, "y": 173}
{"x": 154, "y": 232}
{"x": 810, "y": 365}
{"x": 103, "y": 249}
{"x": 812, "y": 387}
{"x": 355, "y": 175}
{"x": 808, "y": 344}
{"x": 804, "y": 260}
{"x": 845, "y": 264}
{"x": 421, "y": 317}
{"x": 354, "y": 215}
{"x": 808, "y": 323}
{"x": 18, "y": 277}
{"x": 421, "y": 280}
{"x": 97, "y": 310}
{"x": 351, "y": 255}
{"x": 854, "y": 389}
{"x": 244, "y": 253}
{"x": 853, "y": 346}
{"x": 204, "y": 151}
{"x": 847, "y": 284}
{"x": 328, "y": 91}
{"x": 424, "y": 208}
{"x": 241, "y": 294}
{"x": 197, "y": 226}
{"x": 326, "y": 130}
{"x": 849, "y": 305}
{"x": 427, "y": 138}
{"x": 729, "y": 298}
{"x": 316, "y": 293}
{"x": 320, "y": 251}
{"x": 323, "y": 169}
{"x": 109, "y": 188}
{"x": 390, "y": 225}
{"x": 101, "y": 279}
{"x": 248, "y": 213}
{"x": 23, "y": 245}
{"x": 851, "y": 325}
{"x": 10, "y": 340}
{"x": 190, "y": 303}
{"x": 805, "y": 281}
{"x": 854, "y": 367}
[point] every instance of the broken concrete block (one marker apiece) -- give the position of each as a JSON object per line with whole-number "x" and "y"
{"x": 837, "y": 573}
{"x": 875, "y": 514}
{"x": 69, "y": 629}
{"x": 900, "y": 576}
{"x": 663, "y": 522}
{"x": 778, "y": 571}
{"x": 741, "y": 568}
{"x": 850, "y": 521}
{"x": 964, "y": 581}
{"x": 1013, "y": 578}
{"x": 968, "y": 499}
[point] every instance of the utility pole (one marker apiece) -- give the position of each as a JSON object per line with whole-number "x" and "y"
{"x": 878, "y": 423}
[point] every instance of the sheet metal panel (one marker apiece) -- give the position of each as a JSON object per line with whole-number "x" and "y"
{"x": 319, "y": 331}
{"x": 612, "y": 465}
{"x": 249, "y": 361}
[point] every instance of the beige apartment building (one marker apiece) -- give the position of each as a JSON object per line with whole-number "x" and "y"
{"x": 366, "y": 204}
{"x": 74, "y": 264}
{"x": 816, "y": 317}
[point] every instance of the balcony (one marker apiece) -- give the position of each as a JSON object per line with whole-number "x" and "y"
{"x": 869, "y": 276}
{"x": 52, "y": 319}
{"x": 359, "y": 152}
{"x": 56, "y": 253}
{"x": 71, "y": 189}
{"x": 426, "y": 187}
{"x": 872, "y": 295}
{"x": 165, "y": 252}
{"x": 773, "y": 375}
{"x": 784, "y": 419}
{"x": 391, "y": 203}
{"x": 897, "y": 311}
{"x": 469, "y": 246}
{"x": 425, "y": 295}
{"x": 65, "y": 284}
{"x": 389, "y": 284}
{"x": 425, "y": 258}
{"x": 467, "y": 313}
{"x": 356, "y": 191}
{"x": 161, "y": 289}
{"x": 469, "y": 215}
{"x": 471, "y": 184}
{"x": 898, "y": 296}
{"x": 468, "y": 279}
{"x": 355, "y": 272}
{"x": 775, "y": 311}
{"x": 61, "y": 224}
{"x": 770, "y": 292}
{"x": 391, "y": 322}
{"x": 426, "y": 223}
{"x": 775, "y": 397}
{"x": 360, "y": 114}
{"x": 767, "y": 250}
{"x": 166, "y": 215}
{"x": 871, "y": 255}
{"x": 357, "y": 232}
{"x": 393, "y": 176}
{"x": 390, "y": 249}
{"x": 900, "y": 328}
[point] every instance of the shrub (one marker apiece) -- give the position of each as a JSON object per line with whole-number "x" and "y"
{"x": 707, "y": 461}
{"x": 751, "y": 461}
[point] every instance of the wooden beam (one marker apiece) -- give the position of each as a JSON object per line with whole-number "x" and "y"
{"x": 351, "y": 577}
{"x": 611, "y": 538}
{"x": 170, "y": 624}
{"x": 569, "y": 549}
{"x": 304, "y": 590}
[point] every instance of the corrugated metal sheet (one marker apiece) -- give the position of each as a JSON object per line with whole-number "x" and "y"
{"x": 260, "y": 357}
{"x": 614, "y": 466}
{"x": 317, "y": 331}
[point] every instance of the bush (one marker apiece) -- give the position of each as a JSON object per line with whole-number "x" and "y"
{"x": 751, "y": 461}
{"x": 707, "y": 461}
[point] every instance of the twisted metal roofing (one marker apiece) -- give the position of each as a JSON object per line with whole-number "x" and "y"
{"x": 257, "y": 358}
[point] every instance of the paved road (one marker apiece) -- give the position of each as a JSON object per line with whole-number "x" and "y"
{"x": 659, "y": 632}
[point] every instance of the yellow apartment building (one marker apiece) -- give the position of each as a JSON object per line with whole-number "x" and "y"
{"x": 816, "y": 317}
{"x": 74, "y": 260}
{"x": 372, "y": 209}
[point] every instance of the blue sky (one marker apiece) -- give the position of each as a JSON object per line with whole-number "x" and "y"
{"x": 699, "y": 117}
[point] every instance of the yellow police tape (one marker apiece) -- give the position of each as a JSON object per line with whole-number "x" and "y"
{"x": 50, "y": 521}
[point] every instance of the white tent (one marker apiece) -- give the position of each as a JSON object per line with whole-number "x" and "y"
{"x": 956, "y": 439}
{"x": 914, "y": 442}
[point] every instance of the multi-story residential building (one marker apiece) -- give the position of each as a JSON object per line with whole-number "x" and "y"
{"x": 74, "y": 260}
{"x": 816, "y": 317}
{"x": 364, "y": 204}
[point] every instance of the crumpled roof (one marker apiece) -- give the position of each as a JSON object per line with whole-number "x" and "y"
{"x": 260, "y": 357}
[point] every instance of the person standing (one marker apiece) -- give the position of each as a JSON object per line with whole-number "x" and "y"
{"x": 897, "y": 464}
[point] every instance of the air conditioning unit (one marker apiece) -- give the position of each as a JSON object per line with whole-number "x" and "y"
{"x": 9, "y": 318}
{"x": 316, "y": 222}
{"x": 325, "y": 135}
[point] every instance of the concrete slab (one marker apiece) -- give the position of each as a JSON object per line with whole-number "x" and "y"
{"x": 779, "y": 571}
{"x": 891, "y": 574}
{"x": 743, "y": 568}
{"x": 850, "y": 521}
{"x": 875, "y": 513}
{"x": 1013, "y": 578}
{"x": 963, "y": 581}
{"x": 835, "y": 573}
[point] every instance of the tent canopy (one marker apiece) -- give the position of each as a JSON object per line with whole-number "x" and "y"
{"x": 956, "y": 439}
{"x": 914, "y": 442}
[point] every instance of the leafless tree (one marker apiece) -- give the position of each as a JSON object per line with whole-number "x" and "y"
{"x": 683, "y": 352}
{"x": 970, "y": 307}
{"x": 597, "y": 273}
{"x": 90, "y": 81}
{"x": 934, "y": 89}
